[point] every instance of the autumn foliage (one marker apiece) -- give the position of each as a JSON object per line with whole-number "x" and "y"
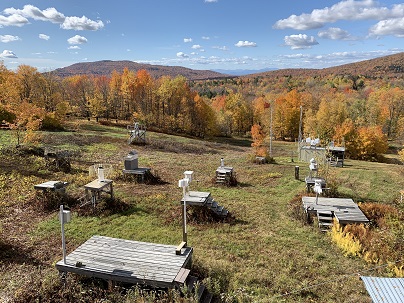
{"x": 360, "y": 112}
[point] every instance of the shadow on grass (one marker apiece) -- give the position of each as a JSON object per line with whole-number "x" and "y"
{"x": 107, "y": 206}
{"x": 242, "y": 142}
{"x": 10, "y": 253}
{"x": 242, "y": 184}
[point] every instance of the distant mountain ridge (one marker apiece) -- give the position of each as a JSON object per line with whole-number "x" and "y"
{"x": 106, "y": 67}
{"x": 243, "y": 72}
{"x": 387, "y": 66}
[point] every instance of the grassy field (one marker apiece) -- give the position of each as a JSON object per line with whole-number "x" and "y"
{"x": 263, "y": 255}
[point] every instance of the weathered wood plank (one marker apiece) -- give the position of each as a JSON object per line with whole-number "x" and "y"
{"x": 345, "y": 210}
{"x": 129, "y": 261}
{"x": 182, "y": 275}
{"x": 180, "y": 247}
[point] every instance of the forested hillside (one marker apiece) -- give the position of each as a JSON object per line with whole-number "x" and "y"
{"x": 107, "y": 67}
{"x": 360, "y": 111}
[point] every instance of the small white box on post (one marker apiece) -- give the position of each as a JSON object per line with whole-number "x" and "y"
{"x": 65, "y": 216}
{"x": 188, "y": 175}
{"x": 183, "y": 183}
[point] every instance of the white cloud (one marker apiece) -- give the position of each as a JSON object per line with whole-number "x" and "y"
{"x": 344, "y": 10}
{"x": 8, "y": 54}
{"x": 205, "y": 38}
{"x": 8, "y": 38}
{"x": 82, "y": 23}
{"x": 300, "y": 41}
{"x": 187, "y": 40}
{"x": 19, "y": 17}
{"x": 77, "y": 40}
{"x": 196, "y": 46}
{"x": 335, "y": 33}
{"x": 30, "y": 11}
{"x": 13, "y": 20}
{"x": 393, "y": 27}
{"x": 44, "y": 37}
{"x": 210, "y": 1}
{"x": 74, "y": 47}
{"x": 245, "y": 44}
{"x": 223, "y": 48}
{"x": 182, "y": 55}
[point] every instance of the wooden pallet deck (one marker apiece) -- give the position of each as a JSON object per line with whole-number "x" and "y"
{"x": 346, "y": 211}
{"x": 196, "y": 198}
{"x": 111, "y": 259}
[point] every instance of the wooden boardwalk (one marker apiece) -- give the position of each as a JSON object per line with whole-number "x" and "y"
{"x": 111, "y": 259}
{"x": 345, "y": 210}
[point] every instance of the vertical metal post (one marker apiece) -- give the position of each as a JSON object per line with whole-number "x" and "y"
{"x": 184, "y": 217}
{"x": 62, "y": 222}
{"x": 300, "y": 124}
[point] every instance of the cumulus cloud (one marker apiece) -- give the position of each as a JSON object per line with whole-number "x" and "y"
{"x": 393, "y": 27}
{"x": 187, "y": 40}
{"x": 335, "y": 33}
{"x": 8, "y": 38}
{"x": 344, "y": 10}
{"x": 82, "y": 23}
{"x": 19, "y": 17}
{"x": 44, "y": 37}
{"x": 30, "y": 11}
{"x": 8, "y": 54}
{"x": 182, "y": 55}
{"x": 77, "y": 40}
{"x": 205, "y": 38}
{"x": 245, "y": 44}
{"x": 300, "y": 41}
{"x": 196, "y": 46}
{"x": 13, "y": 20}
{"x": 210, "y": 1}
{"x": 74, "y": 47}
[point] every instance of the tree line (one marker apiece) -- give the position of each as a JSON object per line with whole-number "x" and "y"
{"x": 358, "y": 112}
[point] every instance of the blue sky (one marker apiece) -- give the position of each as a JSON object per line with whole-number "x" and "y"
{"x": 199, "y": 34}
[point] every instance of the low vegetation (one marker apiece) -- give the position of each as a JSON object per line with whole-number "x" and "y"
{"x": 265, "y": 253}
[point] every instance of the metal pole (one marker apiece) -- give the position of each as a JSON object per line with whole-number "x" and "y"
{"x": 300, "y": 124}
{"x": 184, "y": 216}
{"x": 63, "y": 233}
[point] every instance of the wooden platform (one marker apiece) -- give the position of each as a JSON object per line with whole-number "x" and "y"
{"x": 196, "y": 198}
{"x": 139, "y": 172}
{"x": 154, "y": 265}
{"x": 345, "y": 210}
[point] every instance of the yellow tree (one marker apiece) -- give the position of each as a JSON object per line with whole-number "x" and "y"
{"x": 128, "y": 92}
{"x": 331, "y": 113}
{"x": 287, "y": 115}
{"x": 115, "y": 94}
{"x": 28, "y": 120}
{"x": 240, "y": 111}
{"x": 391, "y": 103}
{"x": 146, "y": 103}
{"x": 258, "y": 135}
